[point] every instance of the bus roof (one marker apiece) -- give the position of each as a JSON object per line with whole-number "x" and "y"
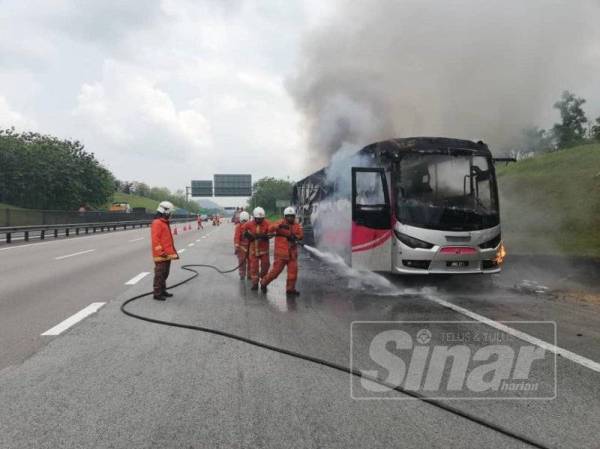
{"x": 425, "y": 144}
{"x": 395, "y": 147}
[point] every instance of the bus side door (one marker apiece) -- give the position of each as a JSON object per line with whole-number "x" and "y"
{"x": 371, "y": 220}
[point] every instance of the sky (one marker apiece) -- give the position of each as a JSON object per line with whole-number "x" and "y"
{"x": 166, "y": 91}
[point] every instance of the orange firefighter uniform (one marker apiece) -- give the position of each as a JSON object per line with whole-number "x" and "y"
{"x": 163, "y": 252}
{"x": 258, "y": 256}
{"x": 241, "y": 245}
{"x": 286, "y": 253}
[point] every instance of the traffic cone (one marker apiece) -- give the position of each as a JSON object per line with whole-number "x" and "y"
{"x": 175, "y": 231}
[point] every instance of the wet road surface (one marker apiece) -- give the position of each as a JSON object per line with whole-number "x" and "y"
{"x": 112, "y": 381}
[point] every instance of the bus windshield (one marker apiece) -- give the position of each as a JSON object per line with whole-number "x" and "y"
{"x": 446, "y": 192}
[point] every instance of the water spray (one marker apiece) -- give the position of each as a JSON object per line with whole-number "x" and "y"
{"x": 358, "y": 279}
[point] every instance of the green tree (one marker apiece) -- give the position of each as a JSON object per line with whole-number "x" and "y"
{"x": 43, "y": 172}
{"x": 160, "y": 194}
{"x": 266, "y": 191}
{"x": 595, "y": 130}
{"x": 536, "y": 140}
{"x": 141, "y": 189}
{"x": 571, "y": 131}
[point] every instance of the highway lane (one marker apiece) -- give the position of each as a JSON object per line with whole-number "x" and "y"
{"x": 112, "y": 381}
{"x": 44, "y": 283}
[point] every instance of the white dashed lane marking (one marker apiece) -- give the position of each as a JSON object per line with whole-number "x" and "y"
{"x": 74, "y": 254}
{"x": 74, "y": 319}
{"x": 137, "y": 278}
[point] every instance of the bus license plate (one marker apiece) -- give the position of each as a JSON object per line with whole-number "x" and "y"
{"x": 457, "y": 263}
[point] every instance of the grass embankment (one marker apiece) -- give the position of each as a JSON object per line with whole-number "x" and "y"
{"x": 550, "y": 204}
{"x": 8, "y": 206}
{"x": 134, "y": 201}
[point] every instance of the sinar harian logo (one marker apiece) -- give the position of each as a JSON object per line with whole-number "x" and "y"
{"x": 450, "y": 360}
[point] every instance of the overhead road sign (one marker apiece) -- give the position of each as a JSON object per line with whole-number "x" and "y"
{"x": 233, "y": 185}
{"x": 202, "y": 188}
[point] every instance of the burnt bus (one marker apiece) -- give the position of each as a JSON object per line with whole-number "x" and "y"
{"x": 412, "y": 206}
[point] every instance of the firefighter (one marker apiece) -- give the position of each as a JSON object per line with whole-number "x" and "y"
{"x": 163, "y": 249}
{"x": 241, "y": 245}
{"x": 257, "y": 232}
{"x": 287, "y": 235}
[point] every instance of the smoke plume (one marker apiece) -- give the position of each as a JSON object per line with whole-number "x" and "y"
{"x": 378, "y": 69}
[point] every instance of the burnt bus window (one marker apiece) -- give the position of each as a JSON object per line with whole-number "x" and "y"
{"x": 370, "y": 199}
{"x": 446, "y": 192}
{"x": 369, "y": 190}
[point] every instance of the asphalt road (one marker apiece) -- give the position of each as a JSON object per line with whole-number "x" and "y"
{"x": 111, "y": 381}
{"x": 45, "y": 282}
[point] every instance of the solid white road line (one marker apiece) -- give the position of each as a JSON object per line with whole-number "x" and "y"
{"x": 74, "y": 254}
{"x": 583, "y": 361}
{"x": 137, "y": 240}
{"x": 138, "y": 278}
{"x": 74, "y": 319}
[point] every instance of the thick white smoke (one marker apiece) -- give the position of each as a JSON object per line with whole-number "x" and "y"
{"x": 378, "y": 69}
{"x": 332, "y": 220}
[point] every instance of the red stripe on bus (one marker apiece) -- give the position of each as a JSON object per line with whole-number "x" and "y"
{"x": 459, "y": 250}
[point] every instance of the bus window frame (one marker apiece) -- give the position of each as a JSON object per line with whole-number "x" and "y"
{"x": 373, "y": 219}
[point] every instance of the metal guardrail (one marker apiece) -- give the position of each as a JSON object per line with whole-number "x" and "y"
{"x": 31, "y": 217}
{"x": 8, "y": 231}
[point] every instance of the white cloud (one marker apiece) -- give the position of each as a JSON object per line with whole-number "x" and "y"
{"x": 11, "y": 118}
{"x": 130, "y": 113}
{"x": 162, "y": 93}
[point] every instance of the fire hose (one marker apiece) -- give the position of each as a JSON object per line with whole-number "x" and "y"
{"x": 318, "y": 361}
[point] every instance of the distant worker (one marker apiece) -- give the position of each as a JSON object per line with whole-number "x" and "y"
{"x": 287, "y": 235}
{"x": 199, "y": 221}
{"x": 241, "y": 245}
{"x": 257, "y": 232}
{"x": 163, "y": 249}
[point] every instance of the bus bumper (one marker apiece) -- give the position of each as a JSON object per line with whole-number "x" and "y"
{"x": 436, "y": 261}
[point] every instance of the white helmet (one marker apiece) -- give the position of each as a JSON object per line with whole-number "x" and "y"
{"x": 244, "y": 216}
{"x": 165, "y": 207}
{"x": 258, "y": 212}
{"x": 289, "y": 211}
